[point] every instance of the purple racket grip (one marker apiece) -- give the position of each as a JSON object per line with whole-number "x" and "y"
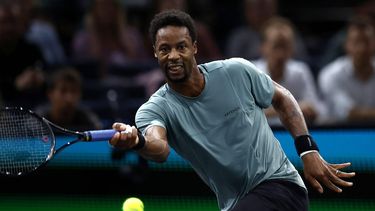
{"x": 100, "y": 135}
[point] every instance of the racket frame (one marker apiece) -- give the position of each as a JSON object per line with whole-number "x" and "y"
{"x": 81, "y": 136}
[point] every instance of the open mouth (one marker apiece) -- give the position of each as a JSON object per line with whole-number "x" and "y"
{"x": 175, "y": 68}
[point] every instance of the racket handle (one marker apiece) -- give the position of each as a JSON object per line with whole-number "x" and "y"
{"x": 99, "y": 135}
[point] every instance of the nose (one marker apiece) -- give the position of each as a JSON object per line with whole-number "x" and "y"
{"x": 174, "y": 54}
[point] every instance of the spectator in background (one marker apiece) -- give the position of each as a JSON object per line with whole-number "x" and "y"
{"x": 245, "y": 41}
{"x": 64, "y": 108}
{"x": 66, "y": 16}
{"x": 41, "y": 33}
{"x": 277, "y": 50}
{"x": 208, "y": 48}
{"x": 106, "y": 38}
{"x": 21, "y": 75}
{"x": 348, "y": 83}
{"x": 334, "y": 47}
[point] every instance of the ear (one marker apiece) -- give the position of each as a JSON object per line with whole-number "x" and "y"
{"x": 155, "y": 55}
{"x": 195, "y": 46}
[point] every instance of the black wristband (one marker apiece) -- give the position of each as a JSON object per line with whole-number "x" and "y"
{"x": 141, "y": 142}
{"x": 305, "y": 143}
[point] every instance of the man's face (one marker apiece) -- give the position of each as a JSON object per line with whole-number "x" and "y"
{"x": 65, "y": 96}
{"x": 9, "y": 22}
{"x": 277, "y": 47}
{"x": 105, "y": 12}
{"x": 175, "y": 52}
{"x": 360, "y": 44}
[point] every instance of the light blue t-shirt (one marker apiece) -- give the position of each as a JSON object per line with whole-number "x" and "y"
{"x": 223, "y": 133}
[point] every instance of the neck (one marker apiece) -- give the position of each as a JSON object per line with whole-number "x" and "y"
{"x": 192, "y": 87}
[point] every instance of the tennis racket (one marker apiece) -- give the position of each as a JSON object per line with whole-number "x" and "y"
{"x": 27, "y": 140}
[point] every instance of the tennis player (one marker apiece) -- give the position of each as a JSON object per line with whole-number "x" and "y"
{"x": 212, "y": 115}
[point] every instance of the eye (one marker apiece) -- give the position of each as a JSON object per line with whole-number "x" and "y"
{"x": 181, "y": 47}
{"x": 163, "y": 49}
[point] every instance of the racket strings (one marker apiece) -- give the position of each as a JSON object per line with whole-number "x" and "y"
{"x": 25, "y": 142}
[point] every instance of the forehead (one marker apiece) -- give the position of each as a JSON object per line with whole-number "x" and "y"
{"x": 281, "y": 32}
{"x": 172, "y": 34}
{"x": 64, "y": 84}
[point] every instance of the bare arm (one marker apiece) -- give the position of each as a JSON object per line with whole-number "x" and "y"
{"x": 308, "y": 110}
{"x": 289, "y": 112}
{"x": 316, "y": 170}
{"x": 156, "y": 146}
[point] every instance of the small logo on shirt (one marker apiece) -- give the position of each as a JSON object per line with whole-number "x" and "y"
{"x": 232, "y": 111}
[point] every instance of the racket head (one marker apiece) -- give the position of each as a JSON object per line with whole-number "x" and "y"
{"x": 26, "y": 141}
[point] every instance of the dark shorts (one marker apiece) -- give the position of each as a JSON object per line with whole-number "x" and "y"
{"x": 274, "y": 195}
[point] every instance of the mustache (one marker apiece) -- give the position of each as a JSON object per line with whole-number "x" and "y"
{"x": 171, "y": 64}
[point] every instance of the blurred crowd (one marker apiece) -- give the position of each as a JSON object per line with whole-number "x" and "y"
{"x": 84, "y": 64}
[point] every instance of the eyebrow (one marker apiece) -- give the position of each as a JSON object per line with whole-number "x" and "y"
{"x": 178, "y": 43}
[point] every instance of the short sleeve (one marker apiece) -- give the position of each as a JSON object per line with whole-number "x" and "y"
{"x": 150, "y": 114}
{"x": 261, "y": 85}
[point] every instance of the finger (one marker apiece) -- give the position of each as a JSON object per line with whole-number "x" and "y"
{"x": 125, "y": 133}
{"x": 335, "y": 170}
{"x": 338, "y": 181}
{"x": 134, "y": 131}
{"x": 315, "y": 184}
{"x": 334, "y": 176}
{"x": 115, "y": 138}
{"x": 340, "y": 165}
{"x": 342, "y": 174}
{"x": 117, "y": 125}
{"x": 330, "y": 185}
{"x": 339, "y": 174}
{"x": 123, "y": 140}
{"x": 124, "y": 128}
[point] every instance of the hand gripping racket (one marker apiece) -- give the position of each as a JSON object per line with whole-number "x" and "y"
{"x": 27, "y": 140}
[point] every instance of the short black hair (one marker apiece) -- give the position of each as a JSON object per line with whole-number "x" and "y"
{"x": 172, "y": 18}
{"x": 64, "y": 74}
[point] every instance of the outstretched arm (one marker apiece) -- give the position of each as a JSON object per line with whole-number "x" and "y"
{"x": 316, "y": 170}
{"x": 155, "y": 146}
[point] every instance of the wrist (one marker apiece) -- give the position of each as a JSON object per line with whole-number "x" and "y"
{"x": 307, "y": 152}
{"x": 140, "y": 142}
{"x": 305, "y": 144}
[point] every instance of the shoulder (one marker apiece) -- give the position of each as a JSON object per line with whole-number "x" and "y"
{"x": 232, "y": 66}
{"x": 241, "y": 65}
{"x": 231, "y": 62}
{"x": 157, "y": 108}
{"x": 298, "y": 67}
{"x": 335, "y": 68}
{"x": 157, "y": 100}
{"x": 297, "y": 64}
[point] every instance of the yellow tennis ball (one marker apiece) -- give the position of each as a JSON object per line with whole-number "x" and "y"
{"x": 133, "y": 204}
